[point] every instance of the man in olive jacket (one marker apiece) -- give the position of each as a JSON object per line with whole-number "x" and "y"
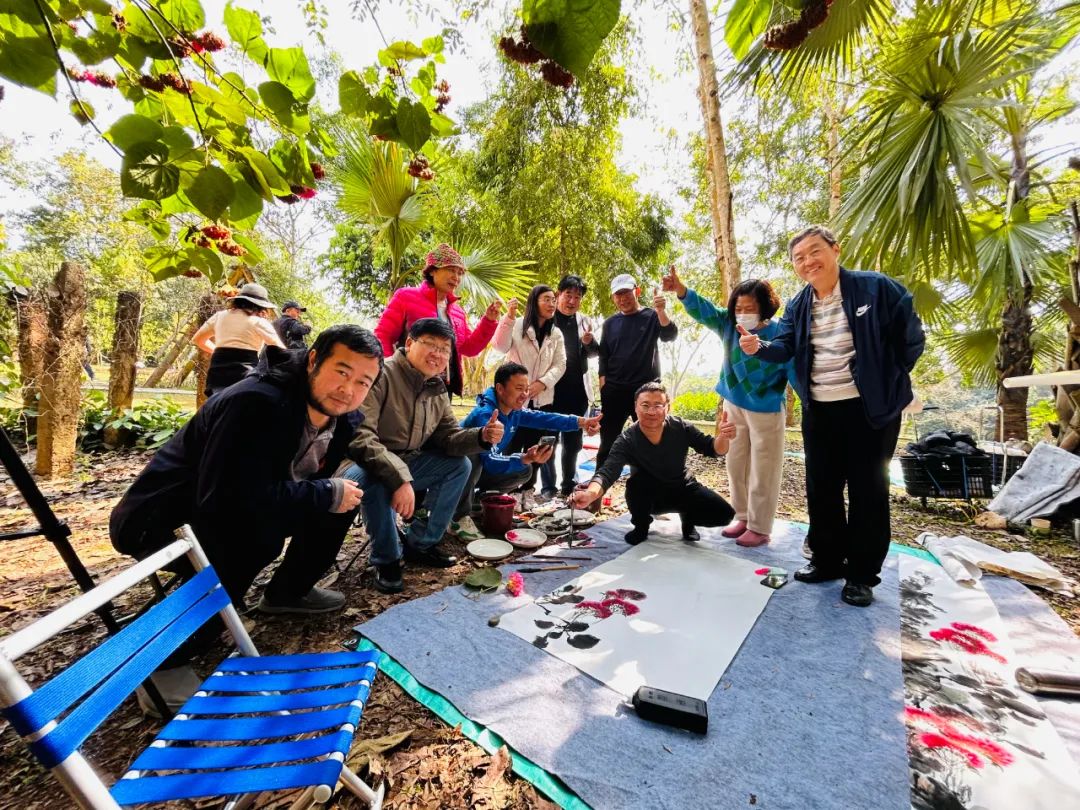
{"x": 409, "y": 440}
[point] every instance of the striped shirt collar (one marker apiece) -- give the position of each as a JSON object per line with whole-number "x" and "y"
{"x": 835, "y": 295}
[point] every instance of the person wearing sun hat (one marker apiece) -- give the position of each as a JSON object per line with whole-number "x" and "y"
{"x": 436, "y": 297}
{"x": 234, "y": 336}
{"x": 628, "y": 355}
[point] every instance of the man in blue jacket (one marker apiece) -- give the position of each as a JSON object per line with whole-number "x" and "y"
{"x": 492, "y": 470}
{"x": 854, "y": 337}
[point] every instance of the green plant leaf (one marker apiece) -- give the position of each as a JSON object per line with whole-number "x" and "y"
{"x": 187, "y": 15}
{"x": 745, "y": 22}
{"x": 413, "y": 123}
{"x": 485, "y": 579}
{"x": 146, "y": 173}
{"x": 254, "y": 255}
{"x": 353, "y": 95}
{"x": 265, "y": 173}
{"x": 207, "y": 261}
{"x": 246, "y": 206}
{"x": 26, "y": 55}
{"x": 84, "y": 113}
{"x": 245, "y": 29}
{"x": 132, "y": 129}
{"x": 400, "y": 51}
{"x": 290, "y": 67}
{"x": 212, "y": 192}
{"x": 280, "y": 100}
{"x": 570, "y": 31}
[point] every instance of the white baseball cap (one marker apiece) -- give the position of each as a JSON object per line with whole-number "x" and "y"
{"x": 624, "y": 281}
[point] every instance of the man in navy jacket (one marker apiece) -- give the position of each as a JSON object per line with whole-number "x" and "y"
{"x": 855, "y": 338}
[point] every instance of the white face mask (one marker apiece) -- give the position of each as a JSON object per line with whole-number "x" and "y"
{"x": 747, "y": 322}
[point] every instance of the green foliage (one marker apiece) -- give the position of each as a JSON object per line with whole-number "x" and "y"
{"x": 696, "y": 405}
{"x": 1041, "y": 414}
{"x": 149, "y": 424}
{"x": 188, "y": 144}
{"x": 569, "y": 31}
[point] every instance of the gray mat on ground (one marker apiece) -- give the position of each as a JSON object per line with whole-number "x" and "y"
{"x": 807, "y": 715}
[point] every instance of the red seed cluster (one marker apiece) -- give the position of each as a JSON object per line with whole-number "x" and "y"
{"x": 419, "y": 168}
{"x": 180, "y": 47}
{"x": 231, "y": 248}
{"x": 193, "y": 273}
{"x": 207, "y": 41}
{"x": 317, "y": 171}
{"x": 216, "y": 232}
{"x": 151, "y": 83}
{"x": 289, "y": 199}
{"x": 96, "y": 78}
{"x": 118, "y": 22}
{"x": 176, "y": 82}
{"x": 303, "y": 192}
{"x": 524, "y": 52}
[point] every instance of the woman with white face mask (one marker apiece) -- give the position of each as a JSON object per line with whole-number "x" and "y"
{"x": 754, "y": 399}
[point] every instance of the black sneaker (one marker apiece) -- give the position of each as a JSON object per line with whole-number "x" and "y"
{"x": 431, "y": 557}
{"x": 690, "y": 534}
{"x": 857, "y": 594}
{"x": 388, "y": 578}
{"x": 636, "y": 535}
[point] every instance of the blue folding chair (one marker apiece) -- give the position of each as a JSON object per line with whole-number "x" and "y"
{"x": 258, "y": 723}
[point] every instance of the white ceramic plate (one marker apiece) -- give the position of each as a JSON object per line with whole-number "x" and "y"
{"x": 489, "y": 548}
{"x": 581, "y": 517}
{"x": 526, "y": 538}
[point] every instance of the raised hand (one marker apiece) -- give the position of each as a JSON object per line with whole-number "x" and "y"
{"x": 591, "y": 424}
{"x": 748, "y": 342}
{"x": 587, "y": 336}
{"x": 672, "y": 283}
{"x": 493, "y": 309}
{"x": 659, "y": 303}
{"x": 724, "y": 428}
{"x": 492, "y": 432}
{"x": 512, "y": 308}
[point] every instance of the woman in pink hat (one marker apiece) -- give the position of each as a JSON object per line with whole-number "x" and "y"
{"x": 435, "y": 297}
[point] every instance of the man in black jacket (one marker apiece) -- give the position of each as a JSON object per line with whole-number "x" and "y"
{"x": 292, "y": 331}
{"x": 855, "y": 338}
{"x": 251, "y": 469}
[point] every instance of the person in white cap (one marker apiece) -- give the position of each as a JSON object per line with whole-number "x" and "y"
{"x": 233, "y": 337}
{"x": 628, "y": 355}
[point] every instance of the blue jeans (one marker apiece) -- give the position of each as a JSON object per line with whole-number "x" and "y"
{"x": 444, "y": 479}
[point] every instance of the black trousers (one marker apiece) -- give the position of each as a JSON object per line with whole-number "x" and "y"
{"x": 696, "y": 504}
{"x": 616, "y": 404}
{"x": 240, "y": 553}
{"x": 842, "y": 448}
{"x": 525, "y": 438}
{"x": 571, "y": 445}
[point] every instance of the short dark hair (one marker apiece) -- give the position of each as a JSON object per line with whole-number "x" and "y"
{"x": 767, "y": 299}
{"x": 813, "y": 230}
{"x": 507, "y": 370}
{"x": 352, "y": 337}
{"x": 244, "y": 304}
{"x": 435, "y": 327}
{"x": 650, "y": 387}
{"x": 573, "y": 283}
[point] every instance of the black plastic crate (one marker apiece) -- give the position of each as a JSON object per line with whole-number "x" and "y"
{"x": 961, "y": 477}
{"x": 1012, "y": 465}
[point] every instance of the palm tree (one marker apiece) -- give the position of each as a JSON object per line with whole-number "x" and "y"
{"x": 378, "y": 192}
{"x": 933, "y": 203}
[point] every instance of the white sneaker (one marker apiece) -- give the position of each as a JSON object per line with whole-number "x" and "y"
{"x": 465, "y": 530}
{"x": 806, "y": 552}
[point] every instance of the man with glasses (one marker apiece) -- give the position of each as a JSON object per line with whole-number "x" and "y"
{"x": 656, "y": 448}
{"x": 409, "y": 440}
{"x": 628, "y": 355}
{"x": 573, "y": 389}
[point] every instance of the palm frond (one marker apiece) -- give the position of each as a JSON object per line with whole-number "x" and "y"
{"x": 973, "y": 353}
{"x": 492, "y": 276}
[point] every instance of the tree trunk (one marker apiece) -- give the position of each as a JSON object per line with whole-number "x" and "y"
{"x": 789, "y": 407}
{"x": 723, "y": 219}
{"x": 836, "y": 171}
{"x": 1015, "y": 357}
{"x": 58, "y": 423}
{"x": 178, "y": 345}
{"x": 208, "y": 305}
{"x": 124, "y": 355}
{"x": 32, "y": 318}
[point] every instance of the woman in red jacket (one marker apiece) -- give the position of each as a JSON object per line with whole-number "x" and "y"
{"x": 435, "y": 297}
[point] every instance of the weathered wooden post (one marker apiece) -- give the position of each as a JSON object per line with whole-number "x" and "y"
{"x": 32, "y": 319}
{"x": 58, "y": 420}
{"x": 125, "y": 353}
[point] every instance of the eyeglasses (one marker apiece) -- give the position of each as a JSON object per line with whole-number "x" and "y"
{"x": 547, "y": 299}
{"x": 650, "y": 407}
{"x": 435, "y": 348}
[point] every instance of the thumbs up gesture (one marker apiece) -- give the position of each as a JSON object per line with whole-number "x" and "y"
{"x": 724, "y": 428}
{"x": 492, "y": 432}
{"x": 672, "y": 283}
{"x": 659, "y": 303}
{"x": 748, "y": 342}
{"x": 591, "y": 424}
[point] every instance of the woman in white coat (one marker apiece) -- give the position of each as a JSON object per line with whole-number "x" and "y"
{"x": 533, "y": 342}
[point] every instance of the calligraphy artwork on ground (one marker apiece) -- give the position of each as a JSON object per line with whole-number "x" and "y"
{"x": 649, "y": 617}
{"x": 975, "y": 740}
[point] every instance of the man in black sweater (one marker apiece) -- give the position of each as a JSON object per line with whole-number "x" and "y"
{"x": 571, "y": 391}
{"x": 628, "y": 355}
{"x": 251, "y": 469}
{"x": 656, "y": 449}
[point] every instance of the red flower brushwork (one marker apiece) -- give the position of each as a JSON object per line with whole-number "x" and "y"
{"x": 624, "y": 593}
{"x": 620, "y": 606}
{"x": 963, "y": 627}
{"x": 968, "y": 643}
{"x": 598, "y": 609}
{"x": 935, "y": 731}
{"x": 932, "y": 740}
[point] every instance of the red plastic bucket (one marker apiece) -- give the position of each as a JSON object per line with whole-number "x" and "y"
{"x": 498, "y": 516}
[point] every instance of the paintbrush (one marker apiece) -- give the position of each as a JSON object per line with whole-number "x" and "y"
{"x": 551, "y": 568}
{"x": 552, "y": 557}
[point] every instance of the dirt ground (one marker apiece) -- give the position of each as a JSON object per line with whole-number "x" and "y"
{"x": 426, "y": 763}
